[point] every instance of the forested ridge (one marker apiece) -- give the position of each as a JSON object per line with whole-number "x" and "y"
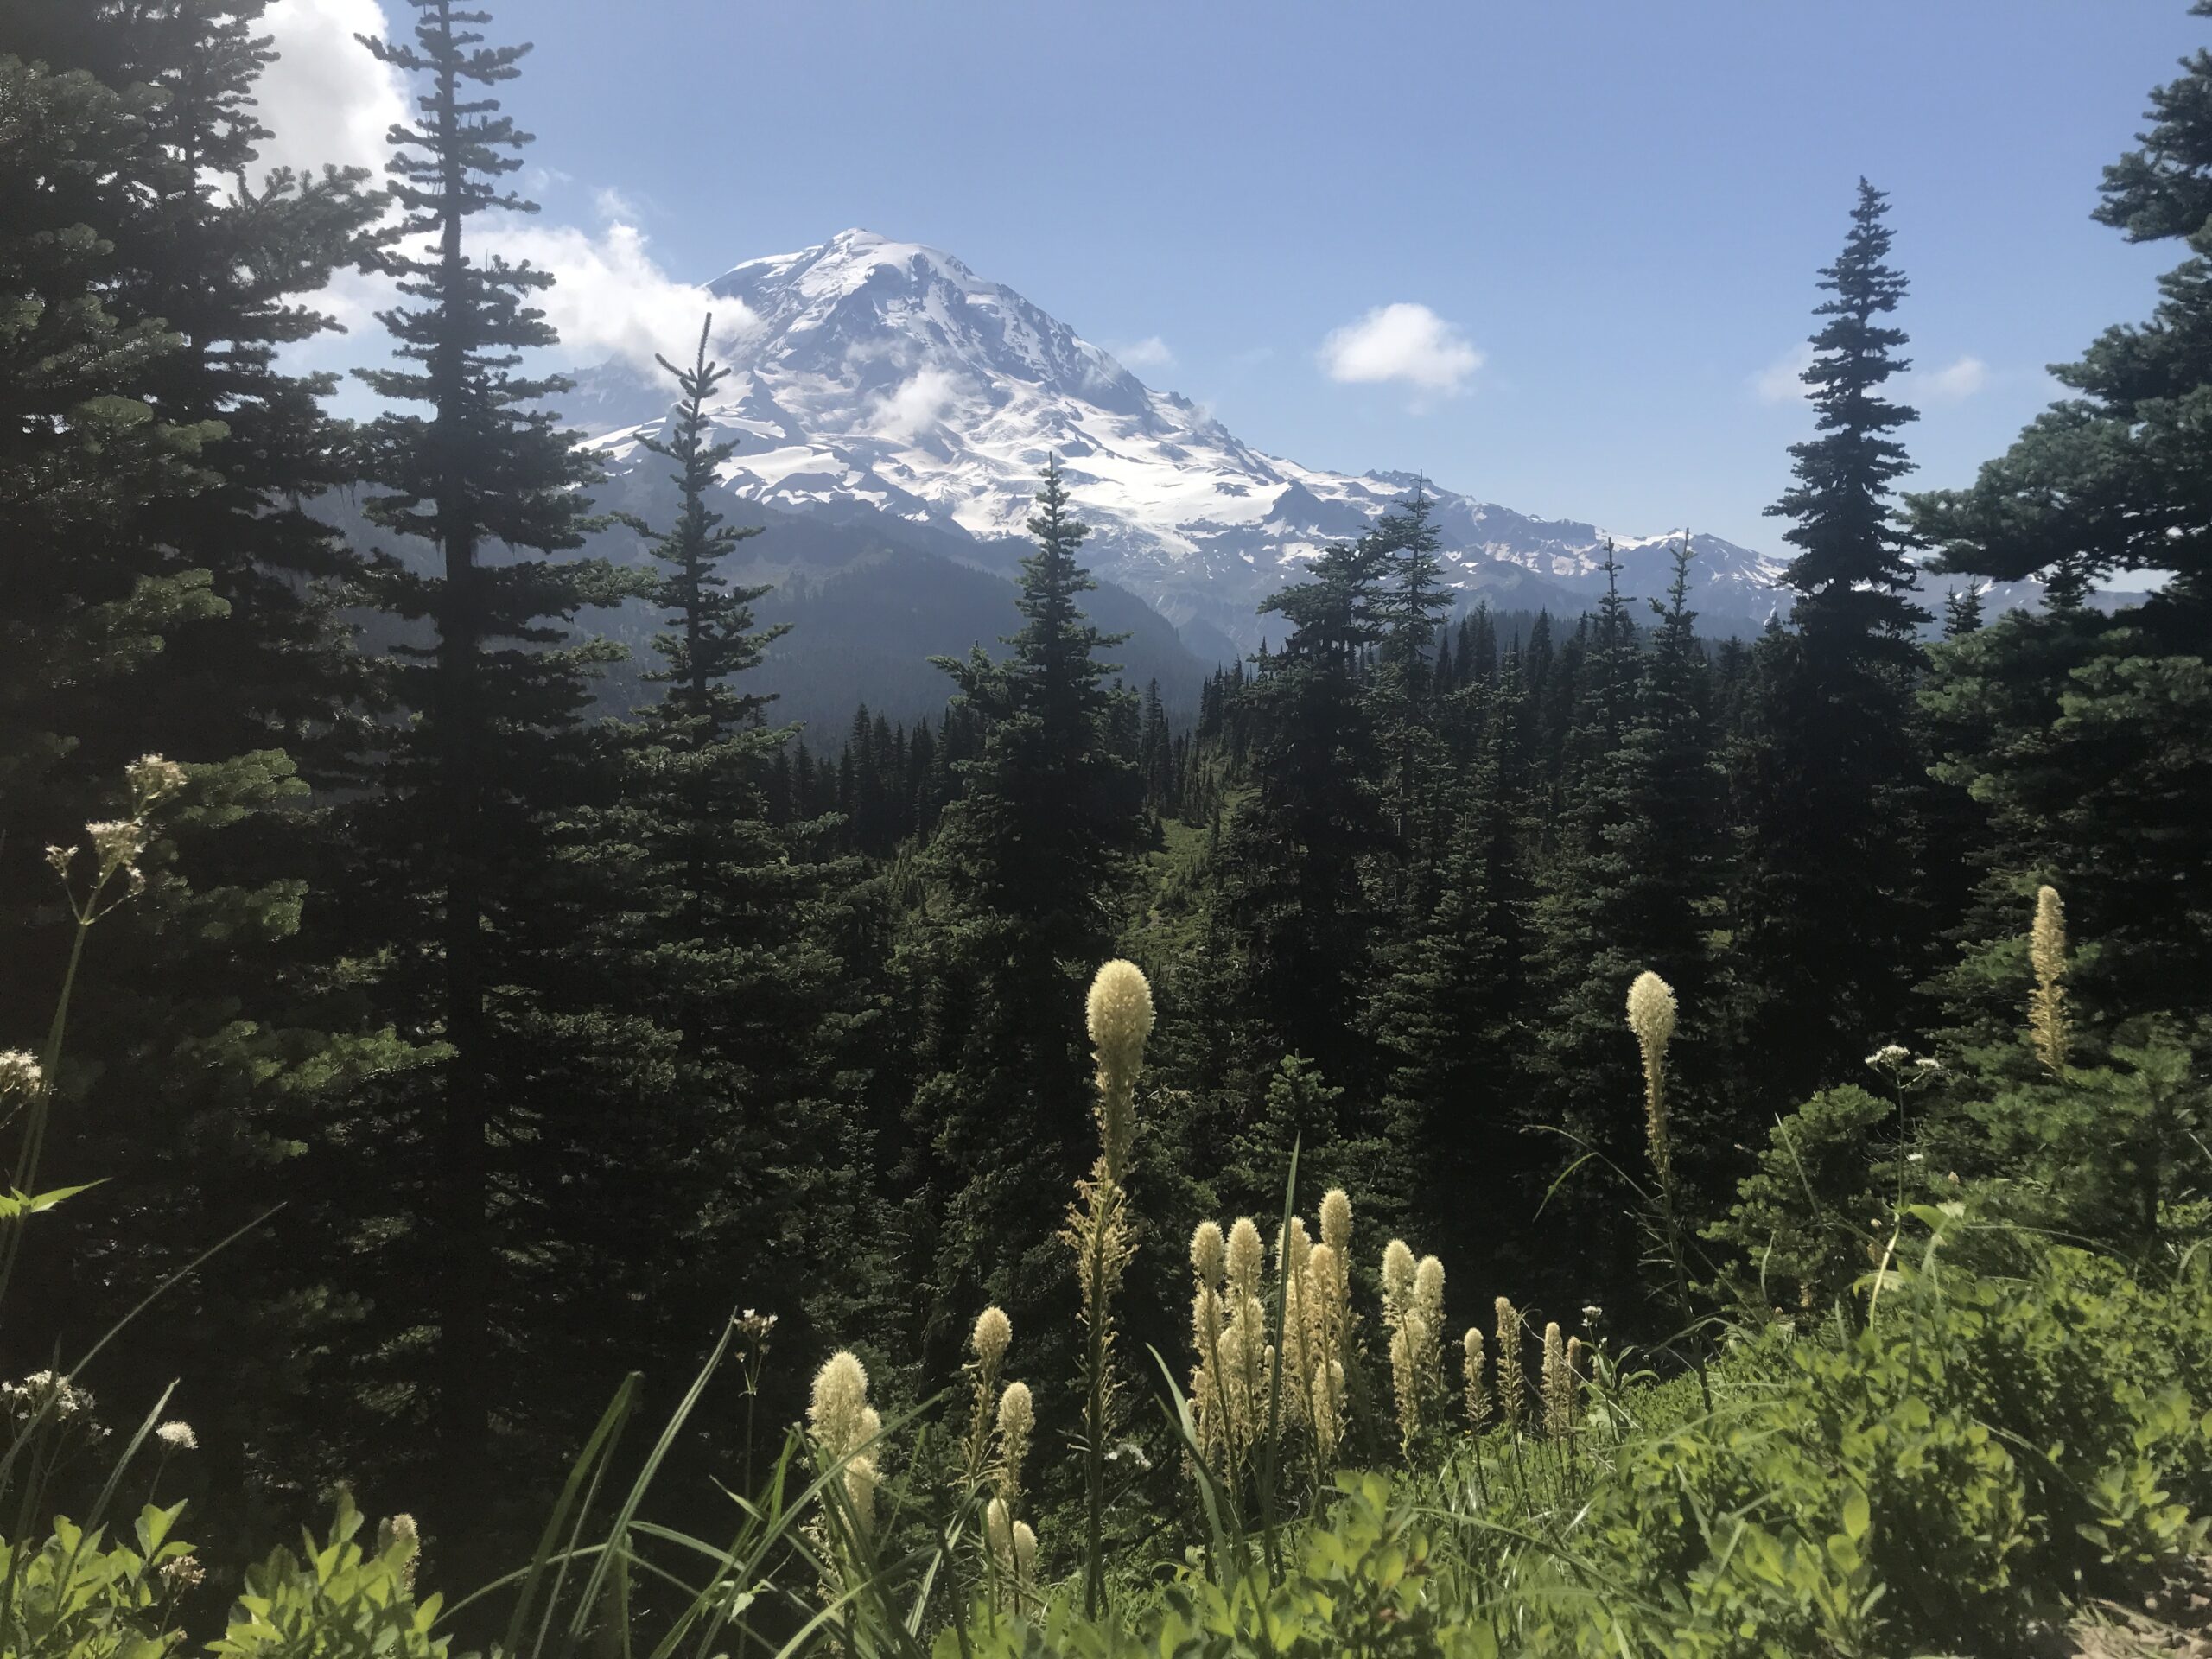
{"x": 499, "y": 1049}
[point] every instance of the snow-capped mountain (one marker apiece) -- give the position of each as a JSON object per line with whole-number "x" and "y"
{"x": 878, "y": 376}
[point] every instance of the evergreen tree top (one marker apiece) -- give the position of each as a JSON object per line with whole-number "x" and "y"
{"x": 709, "y": 636}
{"x": 1851, "y": 571}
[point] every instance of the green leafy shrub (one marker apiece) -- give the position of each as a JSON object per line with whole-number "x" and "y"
{"x": 1802, "y": 1220}
{"x": 337, "y": 1600}
{"x": 80, "y": 1596}
{"x": 1366, "y": 1581}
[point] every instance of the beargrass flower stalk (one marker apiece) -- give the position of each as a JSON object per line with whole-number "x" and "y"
{"x": 1246, "y": 1259}
{"x": 836, "y": 1411}
{"x": 1573, "y": 1384}
{"x": 1558, "y": 1407}
{"x": 1336, "y": 1233}
{"x": 1512, "y": 1381}
{"x": 986, "y": 1344}
{"x": 1209, "y": 1321}
{"x": 1119, "y": 1015}
{"x": 1120, "y": 1019}
{"x": 997, "y": 1536}
{"x": 1651, "y": 1016}
{"x": 840, "y": 1423}
{"x": 1325, "y": 1320}
{"x": 1398, "y": 1270}
{"x": 1473, "y": 1357}
{"x": 1405, "y": 1379}
{"x": 1209, "y": 1254}
{"x": 1017, "y": 1420}
{"x": 1428, "y": 1305}
{"x": 1294, "y": 1250}
{"x": 2047, "y": 1021}
{"x": 1246, "y": 1340}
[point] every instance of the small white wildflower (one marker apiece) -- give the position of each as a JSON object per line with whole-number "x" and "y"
{"x": 177, "y": 1435}
{"x": 1888, "y": 1056}
{"x": 19, "y": 1073}
{"x": 153, "y": 779}
{"x": 183, "y": 1572}
{"x": 117, "y": 843}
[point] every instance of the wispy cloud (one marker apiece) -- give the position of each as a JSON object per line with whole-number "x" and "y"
{"x": 326, "y": 99}
{"x": 1402, "y": 342}
{"x": 1782, "y": 380}
{"x": 1953, "y": 383}
{"x": 1150, "y": 352}
{"x": 912, "y": 407}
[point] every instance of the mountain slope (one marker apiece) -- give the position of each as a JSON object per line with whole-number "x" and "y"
{"x": 875, "y": 377}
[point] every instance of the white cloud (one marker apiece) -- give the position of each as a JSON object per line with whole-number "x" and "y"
{"x": 911, "y": 408}
{"x": 1404, "y": 342}
{"x": 1954, "y": 384}
{"x": 1782, "y": 381}
{"x": 1150, "y": 352}
{"x": 610, "y": 298}
{"x": 324, "y": 99}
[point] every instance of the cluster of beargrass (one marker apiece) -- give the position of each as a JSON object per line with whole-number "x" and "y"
{"x": 1995, "y": 1431}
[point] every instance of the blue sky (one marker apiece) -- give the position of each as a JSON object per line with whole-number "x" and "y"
{"x": 1617, "y": 208}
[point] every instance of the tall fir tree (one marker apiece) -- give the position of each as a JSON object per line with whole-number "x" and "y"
{"x": 1022, "y": 871}
{"x": 1293, "y": 860}
{"x": 1631, "y": 891}
{"x": 179, "y": 598}
{"x": 2083, "y": 734}
{"x": 745, "y": 1178}
{"x": 1827, "y": 939}
{"x": 473, "y": 892}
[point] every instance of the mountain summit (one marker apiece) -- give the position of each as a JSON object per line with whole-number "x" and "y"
{"x": 877, "y": 376}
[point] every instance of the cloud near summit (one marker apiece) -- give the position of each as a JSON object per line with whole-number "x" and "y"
{"x": 1403, "y": 343}
{"x": 326, "y": 99}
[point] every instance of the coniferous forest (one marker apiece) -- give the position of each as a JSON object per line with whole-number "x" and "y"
{"x": 1474, "y": 1131}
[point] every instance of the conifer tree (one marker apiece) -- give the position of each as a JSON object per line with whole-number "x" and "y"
{"x": 474, "y": 891}
{"x": 2083, "y": 733}
{"x": 1829, "y": 778}
{"x": 742, "y": 1172}
{"x": 175, "y": 595}
{"x": 1022, "y": 865}
{"x": 1637, "y": 869}
{"x": 1292, "y": 876}
{"x": 1450, "y": 1015}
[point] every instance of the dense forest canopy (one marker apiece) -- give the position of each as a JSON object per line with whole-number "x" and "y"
{"x": 502, "y": 1046}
